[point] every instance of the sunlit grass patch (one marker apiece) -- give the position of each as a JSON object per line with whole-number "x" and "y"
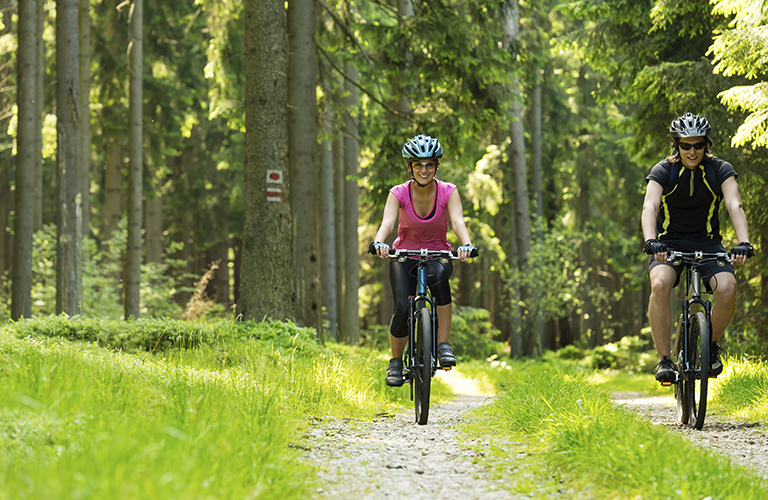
{"x": 570, "y": 433}
{"x": 741, "y": 391}
{"x": 81, "y": 422}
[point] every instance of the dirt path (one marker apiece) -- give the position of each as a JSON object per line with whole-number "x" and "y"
{"x": 745, "y": 442}
{"x": 392, "y": 457}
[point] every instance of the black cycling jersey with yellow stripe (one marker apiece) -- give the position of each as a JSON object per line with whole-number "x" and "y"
{"x": 690, "y": 204}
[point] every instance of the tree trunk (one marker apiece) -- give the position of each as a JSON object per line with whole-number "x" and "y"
{"x": 37, "y": 220}
{"x": 521, "y": 211}
{"x": 351, "y": 315}
{"x": 21, "y": 294}
{"x": 69, "y": 288}
{"x": 302, "y": 140}
{"x": 85, "y": 111}
{"x": 339, "y": 176}
{"x": 113, "y": 177}
{"x": 153, "y": 227}
{"x": 268, "y": 279}
{"x": 135, "y": 190}
{"x": 328, "y": 234}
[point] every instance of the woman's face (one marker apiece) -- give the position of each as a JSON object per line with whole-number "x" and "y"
{"x": 692, "y": 156}
{"x": 424, "y": 170}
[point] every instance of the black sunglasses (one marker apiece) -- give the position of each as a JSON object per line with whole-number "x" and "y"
{"x": 686, "y": 146}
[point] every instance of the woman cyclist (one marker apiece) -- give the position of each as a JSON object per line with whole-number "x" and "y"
{"x": 423, "y": 205}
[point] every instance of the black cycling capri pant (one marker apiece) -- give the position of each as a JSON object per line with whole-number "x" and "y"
{"x": 711, "y": 268}
{"x": 402, "y": 275}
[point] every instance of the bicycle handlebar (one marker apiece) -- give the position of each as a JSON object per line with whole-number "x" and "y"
{"x": 698, "y": 257}
{"x": 444, "y": 254}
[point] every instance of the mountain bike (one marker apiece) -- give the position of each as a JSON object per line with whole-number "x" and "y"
{"x": 420, "y": 363}
{"x": 693, "y": 339}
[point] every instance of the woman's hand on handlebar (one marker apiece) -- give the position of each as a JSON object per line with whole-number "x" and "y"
{"x": 464, "y": 252}
{"x": 381, "y": 249}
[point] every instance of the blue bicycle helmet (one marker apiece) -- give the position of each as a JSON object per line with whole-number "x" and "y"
{"x": 689, "y": 125}
{"x": 422, "y": 147}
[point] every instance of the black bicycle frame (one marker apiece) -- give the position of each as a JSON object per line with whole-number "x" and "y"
{"x": 415, "y": 303}
{"x": 692, "y": 280}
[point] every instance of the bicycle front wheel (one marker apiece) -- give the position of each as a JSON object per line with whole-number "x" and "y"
{"x": 422, "y": 376}
{"x": 683, "y": 407}
{"x": 699, "y": 341}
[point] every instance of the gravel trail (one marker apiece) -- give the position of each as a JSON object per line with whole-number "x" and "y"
{"x": 392, "y": 457}
{"x": 745, "y": 442}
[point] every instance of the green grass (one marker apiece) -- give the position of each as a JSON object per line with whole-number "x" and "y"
{"x": 221, "y": 420}
{"x": 575, "y": 438}
{"x": 741, "y": 391}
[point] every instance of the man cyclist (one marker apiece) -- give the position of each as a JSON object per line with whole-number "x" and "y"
{"x": 680, "y": 212}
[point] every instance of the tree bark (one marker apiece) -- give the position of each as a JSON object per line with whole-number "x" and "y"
{"x": 268, "y": 279}
{"x": 339, "y": 176}
{"x": 21, "y": 294}
{"x": 518, "y": 172}
{"x": 37, "y": 220}
{"x": 351, "y": 315}
{"x": 69, "y": 288}
{"x": 153, "y": 224}
{"x": 302, "y": 141}
{"x": 85, "y": 111}
{"x": 328, "y": 223}
{"x": 135, "y": 190}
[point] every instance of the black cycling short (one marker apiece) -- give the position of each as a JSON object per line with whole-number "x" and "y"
{"x": 402, "y": 275}
{"x": 711, "y": 268}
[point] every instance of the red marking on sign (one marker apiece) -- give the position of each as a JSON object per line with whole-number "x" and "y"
{"x": 273, "y": 193}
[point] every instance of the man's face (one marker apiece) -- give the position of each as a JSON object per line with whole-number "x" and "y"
{"x": 692, "y": 150}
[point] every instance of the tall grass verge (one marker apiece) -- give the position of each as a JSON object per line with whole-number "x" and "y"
{"x": 741, "y": 391}
{"x": 574, "y": 437}
{"x": 221, "y": 420}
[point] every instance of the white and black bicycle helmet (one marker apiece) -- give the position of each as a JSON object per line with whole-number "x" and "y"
{"x": 422, "y": 147}
{"x": 689, "y": 125}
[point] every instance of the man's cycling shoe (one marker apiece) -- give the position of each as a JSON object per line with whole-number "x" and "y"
{"x": 715, "y": 363}
{"x": 445, "y": 354}
{"x": 395, "y": 373}
{"x": 665, "y": 371}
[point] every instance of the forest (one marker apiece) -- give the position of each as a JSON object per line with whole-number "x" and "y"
{"x": 215, "y": 159}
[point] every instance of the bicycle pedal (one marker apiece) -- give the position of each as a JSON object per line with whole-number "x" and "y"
{"x": 666, "y": 384}
{"x": 446, "y": 368}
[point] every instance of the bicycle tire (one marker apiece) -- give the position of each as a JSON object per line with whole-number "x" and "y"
{"x": 700, "y": 343}
{"x": 422, "y": 376}
{"x": 683, "y": 409}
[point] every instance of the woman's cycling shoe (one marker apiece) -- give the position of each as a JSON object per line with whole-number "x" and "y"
{"x": 445, "y": 354}
{"x": 395, "y": 373}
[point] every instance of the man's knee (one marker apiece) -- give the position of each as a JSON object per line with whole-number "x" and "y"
{"x": 661, "y": 285}
{"x": 724, "y": 286}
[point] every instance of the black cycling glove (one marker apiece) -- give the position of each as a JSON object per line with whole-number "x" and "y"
{"x": 654, "y": 246}
{"x": 743, "y": 248}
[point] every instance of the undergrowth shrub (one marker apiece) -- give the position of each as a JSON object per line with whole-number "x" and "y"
{"x": 159, "y": 335}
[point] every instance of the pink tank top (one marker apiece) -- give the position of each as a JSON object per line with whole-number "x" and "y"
{"x": 414, "y": 232}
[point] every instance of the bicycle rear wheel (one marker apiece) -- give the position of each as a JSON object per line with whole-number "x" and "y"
{"x": 699, "y": 342}
{"x": 683, "y": 409}
{"x": 422, "y": 376}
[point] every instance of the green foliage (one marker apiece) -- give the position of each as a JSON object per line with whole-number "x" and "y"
{"x": 626, "y": 354}
{"x": 472, "y": 334}
{"x": 573, "y": 434}
{"x": 159, "y": 335}
{"x": 741, "y": 391}
{"x": 224, "y": 418}
{"x": 102, "y": 265}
